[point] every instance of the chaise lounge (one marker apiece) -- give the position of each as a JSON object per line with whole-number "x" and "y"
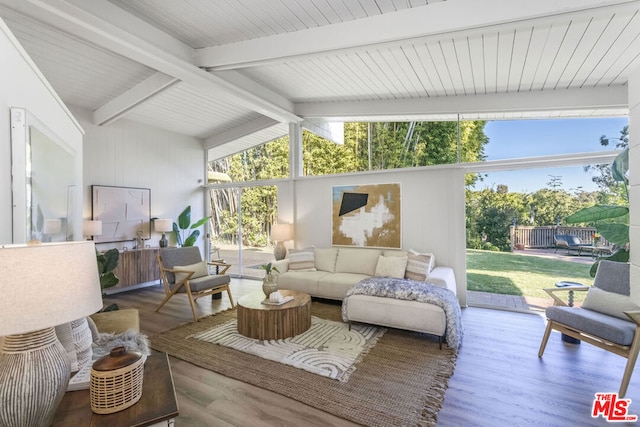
{"x": 572, "y": 243}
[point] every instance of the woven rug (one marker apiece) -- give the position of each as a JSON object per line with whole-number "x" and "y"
{"x": 327, "y": 348}
{"x": 401, "y": 380}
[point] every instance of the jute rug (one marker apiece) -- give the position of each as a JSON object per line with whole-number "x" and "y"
{"x": 328, "y": 348}
{"x": 400, "y": 382}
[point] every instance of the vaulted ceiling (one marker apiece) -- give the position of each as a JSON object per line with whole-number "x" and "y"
{"x": 236, "y": 72}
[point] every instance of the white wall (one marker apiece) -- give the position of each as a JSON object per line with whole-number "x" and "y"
{"x": 433, "y": 212}
{"x": 129, "y": 154}
{"x": 634, "y": 178}
{"x": 22, "y": 85}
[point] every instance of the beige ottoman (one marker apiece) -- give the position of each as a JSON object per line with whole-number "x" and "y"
{"x": 400, "y": 314}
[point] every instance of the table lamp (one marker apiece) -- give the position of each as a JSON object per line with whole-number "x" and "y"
{"x": 43, "y": 285}
{"x": 163, "y": 226}
{"x": 91, "y": 228}
{"x": 51, "y": 227}
{"x": 281, "y": 233}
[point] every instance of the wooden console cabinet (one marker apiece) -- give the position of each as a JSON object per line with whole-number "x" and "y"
{"x": 137, "y": 266}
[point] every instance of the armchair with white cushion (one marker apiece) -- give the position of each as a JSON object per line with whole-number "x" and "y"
{"x": 183, "y": 271}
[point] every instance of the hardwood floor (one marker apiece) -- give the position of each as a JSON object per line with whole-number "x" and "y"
{"x": 498, "y": 380}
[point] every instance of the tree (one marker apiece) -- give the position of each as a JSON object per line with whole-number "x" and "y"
{"x": 602, "y": 177}
{"x": 367, "y": 146}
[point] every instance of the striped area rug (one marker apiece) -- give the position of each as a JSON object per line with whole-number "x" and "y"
{"x": 400, "y": 382}
{"x": 328, "y": 348}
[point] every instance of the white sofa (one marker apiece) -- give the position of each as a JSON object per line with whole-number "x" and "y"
{"x": 331, "y": 272}
{"x": 337, "y": 269}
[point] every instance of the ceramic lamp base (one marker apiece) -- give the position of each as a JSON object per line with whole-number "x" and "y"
{"x": 279, "y": 252}
{"x": 164, "y": 241}
{"x": 34, "y": 373}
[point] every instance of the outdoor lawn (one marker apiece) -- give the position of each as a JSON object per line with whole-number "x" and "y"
{"x": 525, "y": 275}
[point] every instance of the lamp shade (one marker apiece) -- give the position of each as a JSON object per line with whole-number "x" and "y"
{"x": 47, "y": 284}
{"x": 281, "y": 232}
{"x": 52, "y": 226}
{"x": 92, "y": 228}
{"x": 163, "y": 225}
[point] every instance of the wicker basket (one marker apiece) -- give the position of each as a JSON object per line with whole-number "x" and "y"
{"x": 116, "y": 381}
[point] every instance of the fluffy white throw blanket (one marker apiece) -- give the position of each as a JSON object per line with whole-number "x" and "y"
{"x": 411, "y": 290}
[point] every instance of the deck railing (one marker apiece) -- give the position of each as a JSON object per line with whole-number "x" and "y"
{"x": 542, "y": 236}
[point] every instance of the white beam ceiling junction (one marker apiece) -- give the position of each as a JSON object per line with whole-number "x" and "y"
{"x": 612, "y": 98}
{"x": 101, "y": 23}
{"x": 414, "y": 23}
{"x": 144, "y": 90}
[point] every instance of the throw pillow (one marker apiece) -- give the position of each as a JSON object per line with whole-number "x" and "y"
{"x": 302, "y": 260}
{"x": 609, "y": 303}
{"x": 200, "y": 269}
{"x": 326, "y": 259}
{"x": 419, "y": 265}
{"x": 391, "y": 266}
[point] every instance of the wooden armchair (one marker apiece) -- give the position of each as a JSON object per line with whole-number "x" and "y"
{"x": 182, "y": 270}
{"x": 607, "y": 319}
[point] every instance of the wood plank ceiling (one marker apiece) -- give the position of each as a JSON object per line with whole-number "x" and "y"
{"x": 223, "y": 70}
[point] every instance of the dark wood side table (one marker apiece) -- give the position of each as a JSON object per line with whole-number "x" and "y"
{"x": 565, "y": 284}
{"x": 157, "y": 404}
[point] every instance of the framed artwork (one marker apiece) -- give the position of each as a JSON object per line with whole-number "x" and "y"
{"x": 366, "y": 216}
{"x": 123, "y": 211}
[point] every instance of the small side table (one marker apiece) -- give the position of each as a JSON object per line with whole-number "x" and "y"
{"x": 219, "y": 263}
{"x": 158, "y": 403}
{"x": 565, "y": 284}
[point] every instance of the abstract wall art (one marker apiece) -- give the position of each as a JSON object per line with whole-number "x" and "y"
{"x": 366, "y": 216}
{"x": 123, "y": 211}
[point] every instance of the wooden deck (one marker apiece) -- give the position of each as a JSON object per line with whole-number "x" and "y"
{"x": 498, "y": 380}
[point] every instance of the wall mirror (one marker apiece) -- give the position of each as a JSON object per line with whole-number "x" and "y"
{"x": 44, "y": 181}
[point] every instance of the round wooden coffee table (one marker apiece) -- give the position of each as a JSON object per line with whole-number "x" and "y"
{"x": 274, "y": 322}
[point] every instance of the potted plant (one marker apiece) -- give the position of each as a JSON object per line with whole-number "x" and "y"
{"x": 184, "y": 224}
{"x": 107, "y": 262}
{"x": 269, "y": 283}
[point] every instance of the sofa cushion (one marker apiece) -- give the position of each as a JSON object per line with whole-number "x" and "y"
{"x": 391, "y": 266}
{"x": 200, "y": 269}
{"x": 592, "y": 322}
{"x": 395, "y": 252}
{"x": 302, "y": 260}
{"x": 419, "y": 265}
{"x": 336, "y": 285}
{"x": 303, "y": 281}
{"x": 326, "y": 259}
{"x": 609, "y": 303}
{"x": 358, "y": 261}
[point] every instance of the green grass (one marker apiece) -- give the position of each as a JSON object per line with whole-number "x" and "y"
{"x": 525, "y": 275}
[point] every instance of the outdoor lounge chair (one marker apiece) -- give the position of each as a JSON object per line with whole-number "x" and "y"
{"x": 572, "y": 243}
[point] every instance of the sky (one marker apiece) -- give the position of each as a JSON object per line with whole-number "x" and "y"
{"x": 509, "y": 139}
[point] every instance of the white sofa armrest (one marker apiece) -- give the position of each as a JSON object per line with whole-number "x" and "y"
{"x": 282, "y": 265}
{"x": 443, "y": 276}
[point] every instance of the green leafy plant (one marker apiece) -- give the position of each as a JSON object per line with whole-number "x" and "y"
{"x": 182, "y": 227}
{"x": 612, "y": 222}
{"x": 269, "y": 268}
{"x": 107, "y": 262}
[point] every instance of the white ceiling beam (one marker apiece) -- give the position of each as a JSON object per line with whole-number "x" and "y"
{"x": 613, "y": 97}
{"x": 412, "y": 23}
{"x": 238, "y": 132}
{"x": 557, "y": 160}
{"x": 333, "y": 131}
{"x": 138, "y": 94}
{"x": 99, "y": 30}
